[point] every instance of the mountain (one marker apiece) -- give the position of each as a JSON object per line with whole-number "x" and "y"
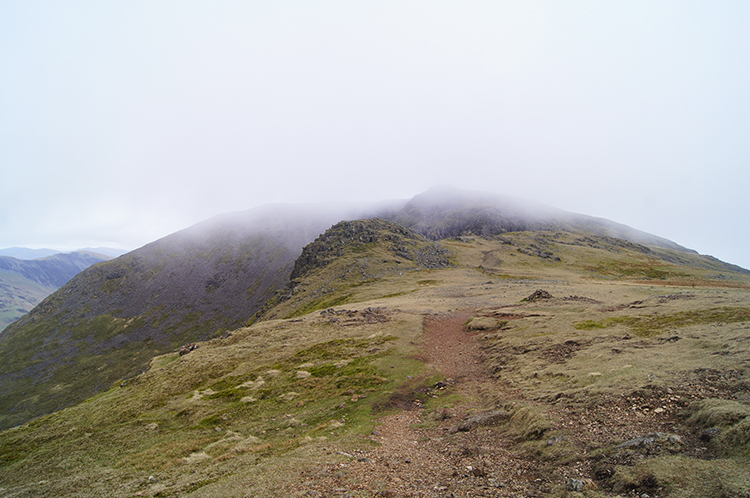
{"x": 107, "y": 323}
{"x": 23, "y": 284}
{"x": 539, "y": 362}
{"x": 444, "y": 212}
{"x": 109, "y": 251}
{"x": 26, "y": 253}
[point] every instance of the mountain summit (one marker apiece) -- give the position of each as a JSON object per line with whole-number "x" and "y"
{"x": 444, "y": 212}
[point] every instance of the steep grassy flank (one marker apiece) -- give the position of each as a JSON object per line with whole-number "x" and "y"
{"x": 106, "y": 323}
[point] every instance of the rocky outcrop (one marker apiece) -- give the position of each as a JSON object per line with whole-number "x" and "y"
{"x": 357, "y": 235}
{"x": 537, "y": 295}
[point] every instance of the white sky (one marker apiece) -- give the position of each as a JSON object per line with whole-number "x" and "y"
{"x": 124, "y": 121}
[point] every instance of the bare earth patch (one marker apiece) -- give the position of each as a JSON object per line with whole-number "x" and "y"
{"x": 418, "y": 453}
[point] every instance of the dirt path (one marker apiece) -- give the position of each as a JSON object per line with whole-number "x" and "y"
{"x": 450, "y": 348}
{"x": 415, "y": 459}
{"x": 419, "y": 454}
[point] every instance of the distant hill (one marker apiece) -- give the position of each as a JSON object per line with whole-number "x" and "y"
{"x": 109, "y": 251}
{"x": 107, "y": 323}
{"x": 24, "y": 283}
{"x": 26, "y": 253}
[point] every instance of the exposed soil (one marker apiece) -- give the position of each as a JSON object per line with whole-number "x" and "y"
{"x": 450, "y": 348}
{"x": 418, "y": 459}
{"x": 420, "y": 452}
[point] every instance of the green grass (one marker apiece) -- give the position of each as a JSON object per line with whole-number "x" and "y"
{"x": 158, "y": 427}
{"x": 651, "y": 325}
{"x": 682, "y": 477}
{"x": 594, "y": 324}
{"x": 320, "y": 304}
{"x": 650, "y": 269}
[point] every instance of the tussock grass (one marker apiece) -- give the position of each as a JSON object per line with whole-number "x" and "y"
{"x": 485, "y": 323}
{"x": 188, "y": 411}
{"x": 714, "y": 412}
{"x": 730, "y": 419}
{"x": 529, "y": 423}
{"x": 683, "y": 477}
{"x": 650, "y": 325}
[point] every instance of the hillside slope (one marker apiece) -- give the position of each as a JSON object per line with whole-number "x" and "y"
{"x": 24, "y": 284}
{"x": 590, "y": 368}
{"x": 109, "y": 321}
{"x": 447, "y": 212}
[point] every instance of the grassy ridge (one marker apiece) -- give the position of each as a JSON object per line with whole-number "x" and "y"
{"x": 245, "y": 414}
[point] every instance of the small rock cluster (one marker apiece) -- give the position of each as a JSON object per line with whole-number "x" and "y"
{"x": 431, "y": 256}
{"x": 353, "y": 317}
{"x": 656, "y": 438}
{"x": 534, "y": 250}
{"x": 580, "y": 485}
{"x": 187, "y": 348}
{"x": 538, "y": 294}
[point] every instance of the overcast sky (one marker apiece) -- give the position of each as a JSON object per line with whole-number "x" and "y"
{"x": 124, "y": 121}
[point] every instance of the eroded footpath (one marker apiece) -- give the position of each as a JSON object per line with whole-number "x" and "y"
{"x": 421, "y": 451}
{"x": 524, "y": 411}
